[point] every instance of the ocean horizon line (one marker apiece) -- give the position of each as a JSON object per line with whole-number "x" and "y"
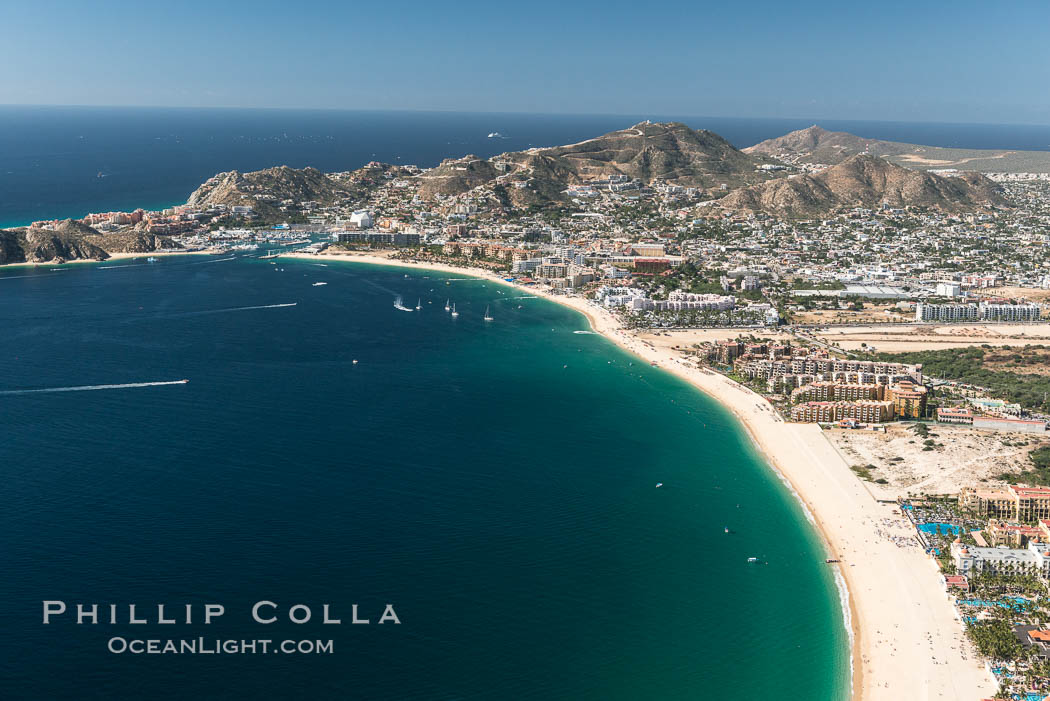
{"x": 654, "y": 116}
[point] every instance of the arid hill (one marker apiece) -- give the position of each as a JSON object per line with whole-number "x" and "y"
{"x": 865, "y": 181}
{"x": 68, "y": 241}
{"x": 131, "y": 241}
{"x": 456, "y": 175}
{"x": 73, "y": 240}
{"x": 264, "y": 189}
{"x": 819, "y": 146}
{"x": 649, "y": 152}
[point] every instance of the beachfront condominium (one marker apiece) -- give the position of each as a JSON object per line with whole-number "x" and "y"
{"x": 870, "y": 412}
{"x": 838, "y": 391}
{"x": 1015, "y": 502}
{"x": 909, "y": 399}
{"x": 846, "y": 371}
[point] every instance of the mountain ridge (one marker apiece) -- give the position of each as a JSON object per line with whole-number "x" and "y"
{"x": 815, "y": 145}
{"x": 649, "y": 152}
{"x": 868, "y": 181}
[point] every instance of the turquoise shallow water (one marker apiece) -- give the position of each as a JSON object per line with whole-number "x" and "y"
{"x": 493, "y": 481}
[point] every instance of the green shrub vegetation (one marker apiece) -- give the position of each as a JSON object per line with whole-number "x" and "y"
{"x": 967, "y": 365}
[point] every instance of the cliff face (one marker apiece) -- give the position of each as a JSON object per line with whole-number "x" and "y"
{"x": 68, "y": 241}
{"x": 43, "y": 245}
{"x": 11, "y": 250}
{"x": 72, "y": 240}
{"x": 134, "y": 241}
{"x": 865, "y": 181}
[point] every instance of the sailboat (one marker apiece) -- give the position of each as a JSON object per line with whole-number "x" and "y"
{"x": 419, "y": 304}
{"x": 488, "y": 317}
{"x": 454, "y": 312}
{"x": 446, "y": 306}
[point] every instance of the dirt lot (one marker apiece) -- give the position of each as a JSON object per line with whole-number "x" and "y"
{"x": 689, "y": 337}
{"x": 1029, "y": 293}
{"x": 882, "y": 314}
{"x": 916, "y": 337}
{"x": 962, "y": 457}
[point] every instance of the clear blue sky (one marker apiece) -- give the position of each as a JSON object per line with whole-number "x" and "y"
{"x": 921, "y": 60}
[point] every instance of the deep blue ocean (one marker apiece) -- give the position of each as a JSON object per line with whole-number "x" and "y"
{"x": 51, "y": 158}
{"x": 493, "y": 481}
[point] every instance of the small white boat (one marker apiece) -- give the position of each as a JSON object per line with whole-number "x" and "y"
{"x": 419, "y": 304}
{"x": 487, "y": 317}
{"x": 447, "y": 308}
{"x": 319, "y": 284}
{"x": 454, "y": 312}
{"x": 727, "y": 529}
{"x": 752, "y": 559}
{"x": 659, "y": 484}
{"x": 355, "y": 361}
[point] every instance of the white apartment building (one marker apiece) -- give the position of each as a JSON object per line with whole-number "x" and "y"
{"x": 948, "y": 289}
{"x": 977, "y": 312}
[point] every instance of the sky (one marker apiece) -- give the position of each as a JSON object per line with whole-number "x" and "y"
{"x": 922, "y": 60}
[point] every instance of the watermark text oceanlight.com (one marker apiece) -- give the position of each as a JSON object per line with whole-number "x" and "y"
{"x": 203, "y": 646}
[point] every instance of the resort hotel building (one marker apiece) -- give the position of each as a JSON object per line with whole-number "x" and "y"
{"x": 1016, "y": 502}
{"x": 970, "y": 559}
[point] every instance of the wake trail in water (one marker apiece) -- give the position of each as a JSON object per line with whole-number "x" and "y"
{"x": 239, "y": 309}
{"x": 19, "y": 277}
{"x": 217, "y": 260}
{"x": 91, "y": 388}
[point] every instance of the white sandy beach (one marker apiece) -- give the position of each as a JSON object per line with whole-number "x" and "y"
{"x": 908, "y": 644}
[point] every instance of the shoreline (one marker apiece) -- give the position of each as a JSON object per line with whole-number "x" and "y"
{"x": 905, "y": 639}
{"x": 112, "y": 258}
